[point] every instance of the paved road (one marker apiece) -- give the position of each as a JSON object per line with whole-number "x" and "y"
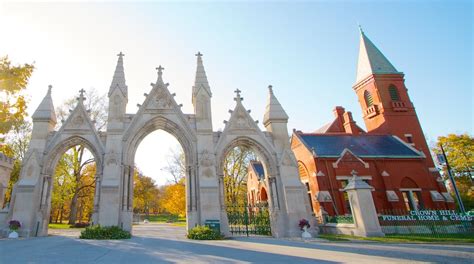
{"x": 163, "y": 243}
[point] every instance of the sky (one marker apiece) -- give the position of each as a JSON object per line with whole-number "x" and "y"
{"x": 307, "y": 50}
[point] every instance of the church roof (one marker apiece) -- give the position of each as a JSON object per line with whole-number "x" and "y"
{"x": 363, "y": 145}
{"x": 258, "y": 168}
{"x": 371, "y": 60}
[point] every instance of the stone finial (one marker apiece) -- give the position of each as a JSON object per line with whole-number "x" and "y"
{"x": 238, "y": 98}
{"x": 160, "y": 70}
{"x": 50, "y": 87}
{"x": 81, "y": 97}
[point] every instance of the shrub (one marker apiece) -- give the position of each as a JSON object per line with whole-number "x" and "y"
{"x": 204, "y": 233}
{"x": 107, "y": 232}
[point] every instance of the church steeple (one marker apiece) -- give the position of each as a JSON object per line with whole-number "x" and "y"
{"x": 371, "y": 60}
{"x": 384, "y": 99}
{"x": 118, "y": 81}
{"x": 201, "y": 97}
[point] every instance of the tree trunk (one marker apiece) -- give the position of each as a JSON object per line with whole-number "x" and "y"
{"x": 73, "y": 207}
{"x": 61, "y": 214}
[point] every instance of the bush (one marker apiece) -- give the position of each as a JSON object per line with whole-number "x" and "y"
{"x": 108, "y": 232}
{"x": 203, "y": 233}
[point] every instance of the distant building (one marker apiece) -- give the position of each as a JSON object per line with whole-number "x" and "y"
{"x": 256, "y": 189}
{"x": 392, "y": 155}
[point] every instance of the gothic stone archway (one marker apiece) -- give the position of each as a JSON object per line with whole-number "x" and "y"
{"x": 204, "y": 148}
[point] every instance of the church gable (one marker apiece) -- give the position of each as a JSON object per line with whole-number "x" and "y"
{"x": 347, "y": 159}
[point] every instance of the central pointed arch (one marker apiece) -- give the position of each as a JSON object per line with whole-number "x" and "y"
{"x": 187, "y": 142}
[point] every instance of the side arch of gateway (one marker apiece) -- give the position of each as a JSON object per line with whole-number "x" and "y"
{"x": 204, "y": 148}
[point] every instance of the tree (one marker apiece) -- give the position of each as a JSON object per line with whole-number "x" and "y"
{"x": 235, "y": 175}
{"x": 13, "y": 80}
{"x": 176, "y": 165}
{"x": 145, "y": 193}
{"x": 459, "y": 151}
{"x": 174, "y": 198}
{"x": 16, "y": 146}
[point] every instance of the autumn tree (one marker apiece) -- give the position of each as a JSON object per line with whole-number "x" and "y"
{"x": 459, "y": 151}
{"x": 14, "y": 129}
{"x": 13, "y": 81}
{"x": 174, "y": 198}
{"x": 145, "y": 193}
{"x": 235, "y": 174}
{"x": 16, "y": 146}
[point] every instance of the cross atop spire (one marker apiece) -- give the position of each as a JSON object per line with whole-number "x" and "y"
{"x": 199, "y": 54}
{"x": 81, "y": 97}
{"x": 238, "y": 98}
{"x": 160, "y": 70}
{"x": 120, "y": 54}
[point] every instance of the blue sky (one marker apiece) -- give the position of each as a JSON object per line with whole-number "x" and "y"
{"x": 306, "y": 50}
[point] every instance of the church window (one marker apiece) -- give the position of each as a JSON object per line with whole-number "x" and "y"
{"x": 393, "y": 91}
{"x": 369, "y": 101}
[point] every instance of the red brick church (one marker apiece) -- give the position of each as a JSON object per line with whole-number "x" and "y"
{"x": 391, "y": 155}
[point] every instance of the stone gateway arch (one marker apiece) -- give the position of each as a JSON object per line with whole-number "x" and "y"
{"x": 114, "y": 153}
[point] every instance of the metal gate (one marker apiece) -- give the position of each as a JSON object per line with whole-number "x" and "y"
{"x": 249, "y": 220}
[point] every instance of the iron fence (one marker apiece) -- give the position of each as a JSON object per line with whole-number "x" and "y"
{"x": 249, "y": 220}
{"x": 433, "y": 223}
{"x": 339, "y": 219}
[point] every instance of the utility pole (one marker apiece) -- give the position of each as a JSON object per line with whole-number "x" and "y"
{"x": 448, "y": 168}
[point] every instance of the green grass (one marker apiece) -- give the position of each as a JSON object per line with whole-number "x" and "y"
{"x": 59, "y": 226}
{"x": 448, "y": 239}
{"x": 166, "y": 218}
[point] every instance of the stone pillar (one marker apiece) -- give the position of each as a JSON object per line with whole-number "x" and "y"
{"x": 6, "y": 167}
{"x": 363, "y": 208}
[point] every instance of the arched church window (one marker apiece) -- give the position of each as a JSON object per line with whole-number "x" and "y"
{"x": 393, "y": 91}
{"x": 369, "y": 101}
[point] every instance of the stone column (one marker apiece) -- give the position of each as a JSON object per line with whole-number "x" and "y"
{"x": 363, "y": 208}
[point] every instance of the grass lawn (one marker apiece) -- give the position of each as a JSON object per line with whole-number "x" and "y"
{"x": 59, "y": 226}
{"x": 62, "y": 226}
{"x": 166, "y": 218}
{"x": 449, "y": 239}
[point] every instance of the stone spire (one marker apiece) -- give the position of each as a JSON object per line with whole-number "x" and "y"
{"x": 201, "y": 78}
{"x": 274, "y": 111}
{"x": 45, "y": 110}
{"x": 118, "y": 81}
{"x": 371, "y": 60}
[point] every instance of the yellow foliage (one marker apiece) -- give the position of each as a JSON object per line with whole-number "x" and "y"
{"x": 174, "y": 198}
